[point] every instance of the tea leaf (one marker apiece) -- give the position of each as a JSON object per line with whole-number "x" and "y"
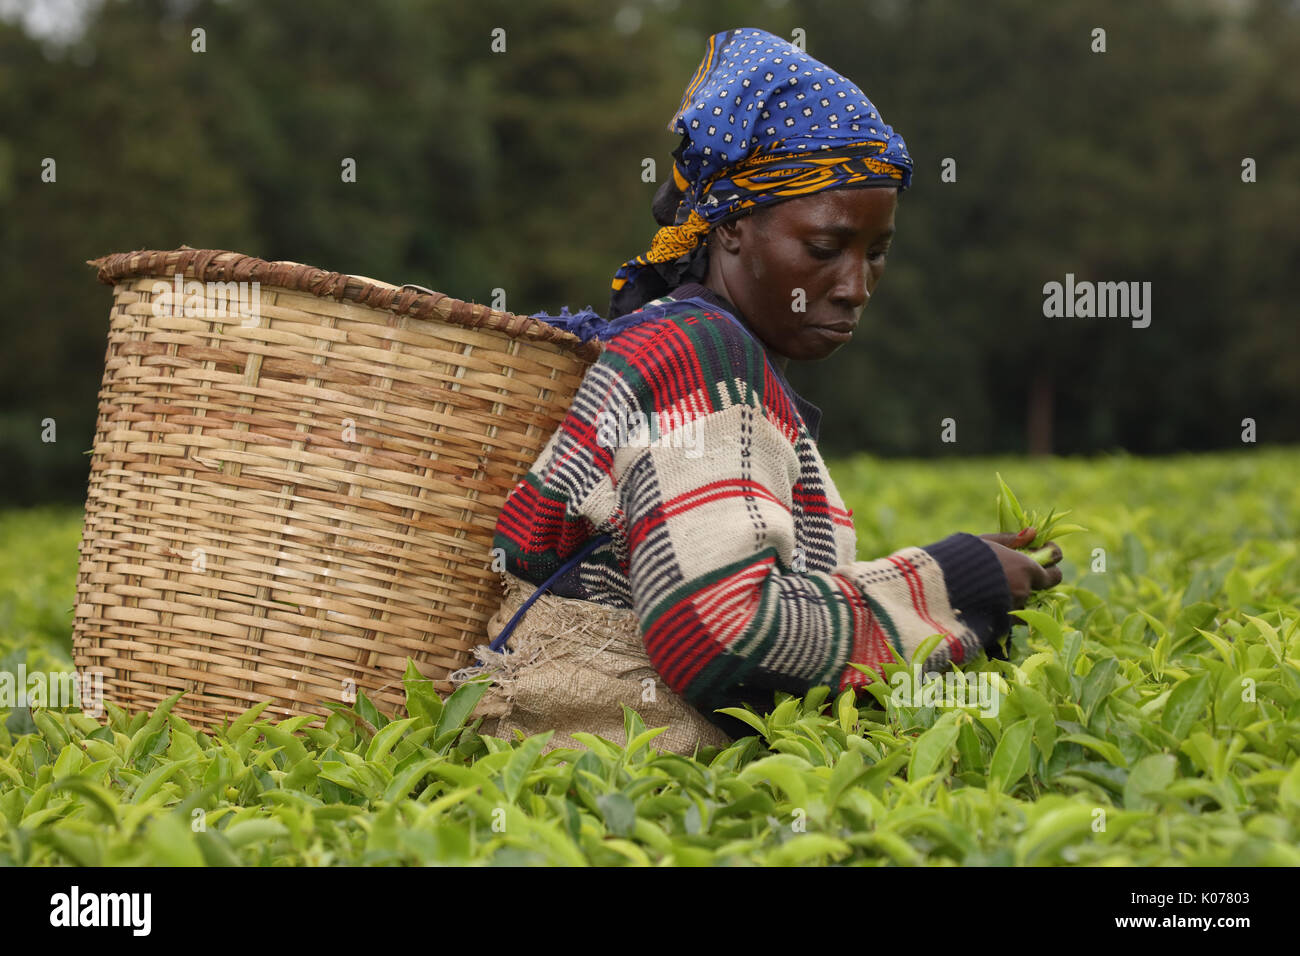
{"x": 1011, "y": 757}
{"x": 619, "y": 813}
{"x": 1149, "y": 775}
{"x": 1185, "y": 704}
{"x": 521, "y": 763}
{"x": 459, "y": 706}
{"x": 933, "y": 746}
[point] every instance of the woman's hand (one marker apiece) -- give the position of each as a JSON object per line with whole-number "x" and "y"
{"x": 1024, "y": 574}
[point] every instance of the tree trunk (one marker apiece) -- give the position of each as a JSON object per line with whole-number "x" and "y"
{"x": 1039, "y": 419}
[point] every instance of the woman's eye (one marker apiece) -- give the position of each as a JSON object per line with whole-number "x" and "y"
{"x": 830, "y": 252}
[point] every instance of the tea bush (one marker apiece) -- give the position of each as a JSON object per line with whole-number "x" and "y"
{"x": 1149, "y": 714}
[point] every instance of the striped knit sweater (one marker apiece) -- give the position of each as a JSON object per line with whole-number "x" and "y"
{"x": 729, "y": 539}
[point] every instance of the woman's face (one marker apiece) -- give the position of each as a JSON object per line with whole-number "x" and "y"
{"x": 802, "y": 270}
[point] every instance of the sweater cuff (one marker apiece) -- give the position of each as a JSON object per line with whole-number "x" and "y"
{"x": 977, "y": 586}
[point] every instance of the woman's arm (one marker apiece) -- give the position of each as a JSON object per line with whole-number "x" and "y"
{"x": 711, "y": 536}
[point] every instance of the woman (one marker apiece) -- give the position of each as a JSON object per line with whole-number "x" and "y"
{"x": 697, "y": 551}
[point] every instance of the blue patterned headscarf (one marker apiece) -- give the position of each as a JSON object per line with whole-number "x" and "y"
{"x": 761, "y": 122}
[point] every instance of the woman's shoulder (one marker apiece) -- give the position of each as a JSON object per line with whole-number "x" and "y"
{"x": 692, "y": 354}
{"x": 692, "y": 335}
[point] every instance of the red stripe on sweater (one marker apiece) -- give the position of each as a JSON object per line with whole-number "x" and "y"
{"x": 874, "y": 648}
{"x": 585, "y": 443}
{"x": 667, "y": 362}
{"x": 717, "y": 491}
{"x": 677, "y": 647}
{"x": 697, "y": 628}
{"x": 817, "y": 504}
{"x": 641, "y": 529}
{"x": 728, "y": 606}
{"x": 917, "y": 588}
{"x": 860, "y": 636}
{"x": 516, "y": 518}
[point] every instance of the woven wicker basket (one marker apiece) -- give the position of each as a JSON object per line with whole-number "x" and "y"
{"x": 280, "y": 504}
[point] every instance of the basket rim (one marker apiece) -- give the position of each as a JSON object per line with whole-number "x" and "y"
{"x": 223, "y": 265}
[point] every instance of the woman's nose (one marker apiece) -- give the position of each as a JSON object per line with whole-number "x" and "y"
{"x": 851, "y": 289}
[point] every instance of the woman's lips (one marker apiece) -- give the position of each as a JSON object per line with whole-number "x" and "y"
{"x": 836, "y": 333}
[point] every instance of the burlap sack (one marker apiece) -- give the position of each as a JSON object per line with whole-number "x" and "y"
{"x": 573, "y": 663}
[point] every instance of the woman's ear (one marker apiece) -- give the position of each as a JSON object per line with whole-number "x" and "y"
{"x": 726, "y": 235}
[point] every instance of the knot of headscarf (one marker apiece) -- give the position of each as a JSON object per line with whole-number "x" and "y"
{"x": 761, "y": 122}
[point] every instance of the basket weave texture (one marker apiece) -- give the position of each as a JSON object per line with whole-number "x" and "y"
{"x": 289, "y": 499}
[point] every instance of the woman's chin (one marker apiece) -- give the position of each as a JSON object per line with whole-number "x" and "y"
{"x": 819, "y": 346}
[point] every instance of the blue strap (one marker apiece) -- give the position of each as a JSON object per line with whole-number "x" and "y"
{"x": 586, "y": 549}
{"x": 588, "y": 325}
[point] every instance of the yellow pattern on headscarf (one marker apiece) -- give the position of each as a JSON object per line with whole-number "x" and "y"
{"x": 672, "y": 241}
{"x": 815, "y": 173}
{"x": 812, "y": 174}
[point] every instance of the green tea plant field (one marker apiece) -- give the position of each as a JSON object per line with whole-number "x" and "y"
{"x": 1149, "y": 715}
